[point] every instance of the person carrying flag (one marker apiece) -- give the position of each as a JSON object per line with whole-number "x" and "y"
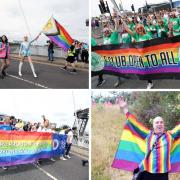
{"x": 25, "y": 52}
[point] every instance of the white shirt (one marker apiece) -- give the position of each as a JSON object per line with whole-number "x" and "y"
{"x": 69, "y": 137}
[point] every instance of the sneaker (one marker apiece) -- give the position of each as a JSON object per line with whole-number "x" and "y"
{"x": 35, "y": 75}
{"x": 4, "y": 168}
{"x": 62, "y": 158}
{"x": 68, "y": 156}
{"x": 52, "y": 159}
{"x": 117, "y": 84}
{"x": 73, "y": 71}
{"x": 1, "y": 76}
{"x": 150, "y": 85}
{"x": 20, "y": 74}
{"x": 100, "y": 83}
{"x": 4, "y": 73}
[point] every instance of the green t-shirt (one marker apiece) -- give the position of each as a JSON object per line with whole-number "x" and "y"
{"x": 112, "y": 39}
{"x": 131, "y": 26}
{"x": 140, "y": 38}
{"x": 161, "y": 31}
{"x": 148, "y": 30}
{"x": 176, "y": 26}
{"x": 93, "y": 42}
{"x": 126, "y": 38}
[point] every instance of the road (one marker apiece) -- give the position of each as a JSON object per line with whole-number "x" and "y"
{"x": 134, "y": 84}
{"x": 49, "y": 76}
{"x": 70, "y": 169}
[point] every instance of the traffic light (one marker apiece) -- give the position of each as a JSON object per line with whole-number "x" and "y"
{"x": 102, "y": 7}
{"x": 132, "y": 7}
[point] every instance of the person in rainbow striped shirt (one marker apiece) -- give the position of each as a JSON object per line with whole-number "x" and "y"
{"x": 158, "y": 163}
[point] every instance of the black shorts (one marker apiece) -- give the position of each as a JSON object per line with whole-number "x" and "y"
{"x": 149, "y": 176}
{"x": 70, "y": 59}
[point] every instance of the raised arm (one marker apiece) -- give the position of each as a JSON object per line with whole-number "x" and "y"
{"x": 175, "y": 133}
{"x": 132, "y": 121}
{"x": 35, "y": 38}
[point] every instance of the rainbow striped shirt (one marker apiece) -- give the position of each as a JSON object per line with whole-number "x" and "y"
{"x": 159, "y": 159}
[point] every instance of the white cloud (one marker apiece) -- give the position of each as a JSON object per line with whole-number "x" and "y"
{"x": 56, "y": 105}
{"x": 71, "y": 14}
{"x": 126, "y": 4}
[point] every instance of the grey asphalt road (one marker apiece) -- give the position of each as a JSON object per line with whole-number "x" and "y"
{"x": 134, "y": 84}
{"x": 71, "y": 169}
{"x": 49, "y": 76}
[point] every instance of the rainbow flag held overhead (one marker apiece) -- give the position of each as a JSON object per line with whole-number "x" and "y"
{"x": 58, "y": 34}
{"x": 19, "y": 147}
{"x": 132, "y": 148}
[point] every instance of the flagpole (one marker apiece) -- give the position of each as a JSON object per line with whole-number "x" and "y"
{"x": 27, "y": 25}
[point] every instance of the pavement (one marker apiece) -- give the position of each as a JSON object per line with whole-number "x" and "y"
{"x": 70, "y": 169}
{"x": 50, "y": 76}
{"x": 134, "y": 84}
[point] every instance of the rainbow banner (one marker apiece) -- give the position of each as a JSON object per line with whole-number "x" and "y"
{"x": 154, "y": 59}
{"x": 57, "y": 34}
{"x": 131, "y": 150}
{"x": 19, "y": 147}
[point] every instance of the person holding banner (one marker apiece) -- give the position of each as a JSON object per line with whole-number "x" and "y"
{"x": 25, "y": 52}
{"x": 157, "y": 146}
{"x": 140, "y": 35}
{"x": 4, "y": 55}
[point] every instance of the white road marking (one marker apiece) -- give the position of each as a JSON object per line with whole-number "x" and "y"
{"x": 28, "y": 81}
{"x": 45, "y": 172}
{"x": 79, "y": 155}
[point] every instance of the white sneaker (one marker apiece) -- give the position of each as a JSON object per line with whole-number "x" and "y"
{"x": 62, "y": 158}
{"x": 150, "y": 85}
{"x": 68, "y": 156}
{"x": 20, "y": 74}
{"x": 35, "y": 75}
{"x": 52, "y": 159}
{"x": 4, "y": 168}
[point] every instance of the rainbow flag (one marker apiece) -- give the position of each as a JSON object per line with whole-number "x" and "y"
{"x": 132, "y": 147}
{"x": 57, "y": 34}
{"x": 18, "y": 147}
{"x": 154, "y": 59}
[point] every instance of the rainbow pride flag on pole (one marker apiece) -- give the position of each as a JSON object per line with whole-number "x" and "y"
{"x": 131, "y": 150}
{"x": 58, "y": 34}
{"x": 27, "y": 147}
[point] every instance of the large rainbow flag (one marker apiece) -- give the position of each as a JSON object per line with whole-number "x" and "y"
{"x": 132, "y": 146}
{"x": 154, "y": 59}
{"x": 27, "y": 147}
{"x": 57, "y": 34}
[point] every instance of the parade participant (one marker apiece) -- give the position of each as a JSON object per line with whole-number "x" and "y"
{"x": 69, "y": 141}
{"x": 140, "y": 35}
{"x": 84, "y": 53}
{"x": 4, "y": 55}
{"x": 25, "y": 52}
{"x": 50, "y": 50}
{"x": 176, "y": 23}
{"x": 156, "y": 162}
{"x": 162, "y": 29}
{"x": 70, "y": 60}
{"x": 63, "y": 132}
{"x": 97, "y": 65}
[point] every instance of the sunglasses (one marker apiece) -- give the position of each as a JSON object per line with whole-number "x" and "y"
{"x": 140, "y": 29}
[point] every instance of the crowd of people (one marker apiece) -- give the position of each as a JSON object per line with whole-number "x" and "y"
{"x": 10, "y": 123}
{"x": 133, "y": 28}
{"x": 75, "y": 51}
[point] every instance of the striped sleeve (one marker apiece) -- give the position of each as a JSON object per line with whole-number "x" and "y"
{"x": 175, "y": 133}
{"x": 137, "y": 126}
